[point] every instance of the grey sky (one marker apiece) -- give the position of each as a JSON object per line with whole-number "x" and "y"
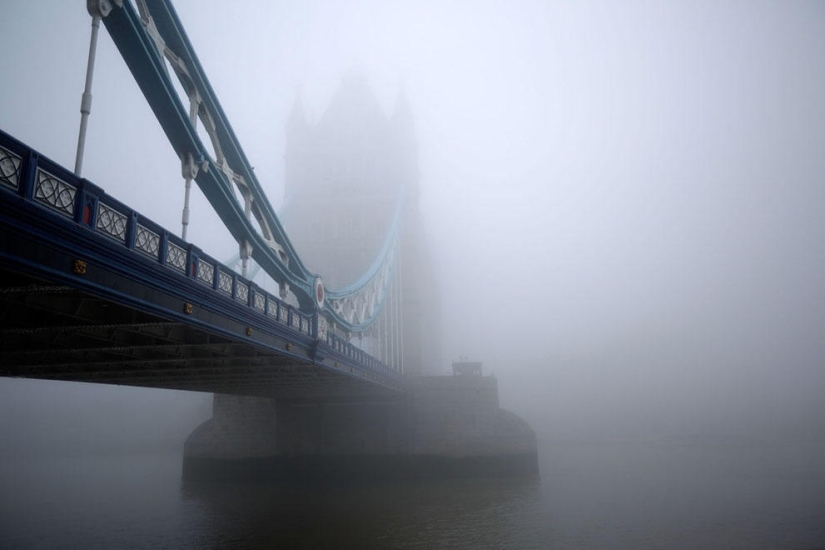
{"x": 634, "y": 188}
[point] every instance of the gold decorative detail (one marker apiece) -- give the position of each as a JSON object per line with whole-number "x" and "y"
{"x": 249, "y": 331}
{"x": 288, "y": 346}
{"x": 79, "y": 267}
{"x": 187, "y": 308}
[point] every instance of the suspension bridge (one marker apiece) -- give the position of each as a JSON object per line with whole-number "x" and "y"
{"x": 95, "y": 291}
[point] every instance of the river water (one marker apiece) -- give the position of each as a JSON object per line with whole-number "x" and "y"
{"x": 624, "y": 494}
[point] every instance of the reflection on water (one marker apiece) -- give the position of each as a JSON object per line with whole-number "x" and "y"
{"x": 591, "y": 495}
{"x": 464, "y": 513}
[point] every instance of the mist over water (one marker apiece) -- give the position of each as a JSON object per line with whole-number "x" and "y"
{"x": 597, "y": 494}
{"x": 626, "y": 208}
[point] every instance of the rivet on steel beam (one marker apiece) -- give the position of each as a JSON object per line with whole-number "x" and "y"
{"x": 79, "y": 267}
{"x": 249, "y": 331}
{"x": 187, "y": 308}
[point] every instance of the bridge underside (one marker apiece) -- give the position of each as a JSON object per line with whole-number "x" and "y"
{"x": 92, "y": 291}
{"x": 53, "y": 331}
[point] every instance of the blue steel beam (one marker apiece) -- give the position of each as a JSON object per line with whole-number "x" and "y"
{"x": 147, "y": 66}
{"x": 62, "y": 229}
{"x": 171, "y": 29}
{"x": 146, "y": 63}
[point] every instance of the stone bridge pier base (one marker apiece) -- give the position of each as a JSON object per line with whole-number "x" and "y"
{"x": 447, "y": 426}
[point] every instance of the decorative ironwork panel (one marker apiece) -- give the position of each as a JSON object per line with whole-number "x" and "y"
{"x": 304, "y": 325}
{"x": 9, "y": 168}
{"x": 322, "y": 328}
{"x": 224, "y": 282}
{"x": 147, "y": 241}
{"x": 296, "y": 321}
{"x": 111, "y": 222}
{"x": 175, "y": 256}
{"x": 206, "y": 272}
{"x": 242, "y": 292}
{"x": 260, "y": 302}
{"x": 283, "y": 315}
{"x": 272, "y": 308}
{"x": 55, "y": 193}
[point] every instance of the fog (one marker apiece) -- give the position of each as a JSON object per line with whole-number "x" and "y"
{"x": 626, "y": 201}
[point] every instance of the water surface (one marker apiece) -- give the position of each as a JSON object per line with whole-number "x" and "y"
{"x": 630, "y": 494}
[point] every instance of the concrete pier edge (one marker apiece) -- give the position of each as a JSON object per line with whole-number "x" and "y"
{"x": 444, "y": 427}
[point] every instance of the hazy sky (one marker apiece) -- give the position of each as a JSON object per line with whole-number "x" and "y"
{"x": 628, "y": 197}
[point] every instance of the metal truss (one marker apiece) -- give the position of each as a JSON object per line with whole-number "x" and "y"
{"x": 152, "y": 42}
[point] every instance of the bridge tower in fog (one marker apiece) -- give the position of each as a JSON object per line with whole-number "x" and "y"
{"x": 344, "y": 177}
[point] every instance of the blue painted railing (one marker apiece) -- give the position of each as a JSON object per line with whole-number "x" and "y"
{"x": 58, "y": 192}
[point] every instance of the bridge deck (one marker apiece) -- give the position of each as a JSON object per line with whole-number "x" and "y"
{"x": 55, "y": 332}
{"x": 80, "y": 300}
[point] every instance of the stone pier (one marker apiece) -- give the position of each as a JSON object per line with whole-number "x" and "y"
{"x": 444, "y": 426}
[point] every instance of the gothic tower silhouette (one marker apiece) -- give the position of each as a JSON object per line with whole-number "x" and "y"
{"x": 344, "y": 175}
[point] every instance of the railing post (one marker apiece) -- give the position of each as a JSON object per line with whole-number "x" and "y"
{"x": 88, "y": 195}
{"x": 131, "y": 230}
{"x": 216, "y": 278}
{"x": 163, "y": 247}
{"x": 192, "y": 259}
{"x": 250, "y": 295}
{"x": 28, "y": 175}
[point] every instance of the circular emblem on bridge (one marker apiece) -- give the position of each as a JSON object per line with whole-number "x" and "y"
{"x": 319, "y": 292}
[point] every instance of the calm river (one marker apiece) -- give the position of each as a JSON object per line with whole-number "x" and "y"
{"x": 626, "y": 495}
